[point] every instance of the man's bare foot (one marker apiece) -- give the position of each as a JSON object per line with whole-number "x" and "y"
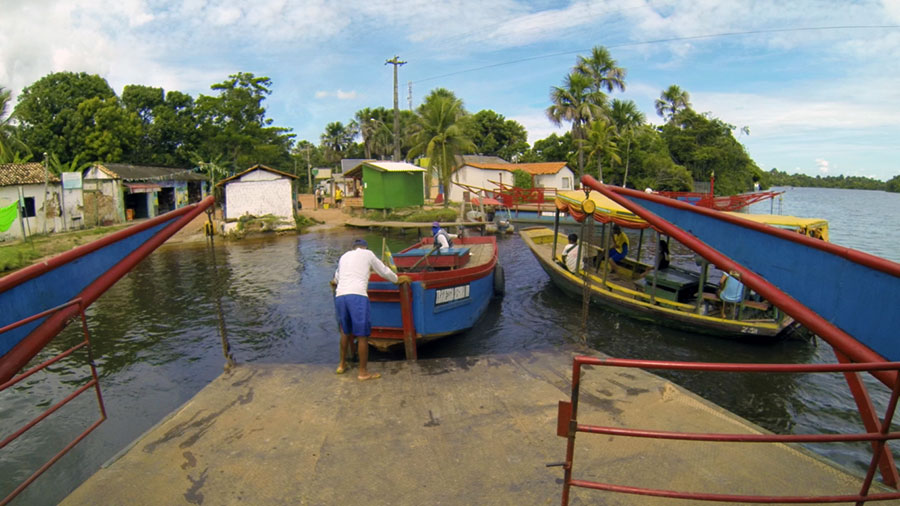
{"x": 369, "y": 377}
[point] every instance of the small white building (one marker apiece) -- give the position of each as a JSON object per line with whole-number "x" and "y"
{"x": 259, "y": 191}
{"x": 489, "y": 175}
{"x": 45, "y": 206}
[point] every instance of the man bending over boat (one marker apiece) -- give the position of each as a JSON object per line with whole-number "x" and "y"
{"x": 351, "y": 302}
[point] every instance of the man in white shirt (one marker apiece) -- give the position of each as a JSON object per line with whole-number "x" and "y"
{"x": 570, "y": 254}
{"x": 351, "y": 301}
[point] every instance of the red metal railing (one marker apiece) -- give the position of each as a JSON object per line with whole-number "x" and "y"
{"x": 568, "y": 427}
{"x": 93, "y": 383}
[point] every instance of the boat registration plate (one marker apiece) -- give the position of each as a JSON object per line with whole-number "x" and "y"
{"x": 452, "y": 294}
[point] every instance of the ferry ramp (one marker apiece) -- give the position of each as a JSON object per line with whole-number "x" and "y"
{"x": 449, "y": 431}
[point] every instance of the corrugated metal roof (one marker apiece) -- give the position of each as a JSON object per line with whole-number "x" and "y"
{"x": 386, "y": 167}
{"x": 256, "y": 167}
{"x": 531, "y": 168}
{"x": 128, "y": 172}
{"x": 24, "y": 173}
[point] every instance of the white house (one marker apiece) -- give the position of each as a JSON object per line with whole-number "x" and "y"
{"x": 43, "y": 202}
{"x": 489, "y": 175}
{"x": 259, "y": 191}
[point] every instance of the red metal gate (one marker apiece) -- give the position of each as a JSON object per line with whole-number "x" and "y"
{"x": 568, "y": 427}
{"x": 92, "y": 383}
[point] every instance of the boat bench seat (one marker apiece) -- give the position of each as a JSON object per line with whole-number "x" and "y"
{"x": 761, "y": 306}
{"x": 453, "y": 257}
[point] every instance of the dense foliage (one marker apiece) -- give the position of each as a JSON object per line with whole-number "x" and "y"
{"x": 75, "y": 119}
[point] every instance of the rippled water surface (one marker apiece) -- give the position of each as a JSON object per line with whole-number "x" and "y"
{"x": 156, "y": 338}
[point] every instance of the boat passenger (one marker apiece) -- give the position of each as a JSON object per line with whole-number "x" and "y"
{"x": 442, "y": 239}
{"x": 351, "y": 302}
{"x": 569, "y": 256}
{"x": 663, "y": 254}
{"x": 620, "y": 240}
{"x": 731, "y": 291}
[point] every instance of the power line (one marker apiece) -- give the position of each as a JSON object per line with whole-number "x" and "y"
{"x": 662, "y": 41}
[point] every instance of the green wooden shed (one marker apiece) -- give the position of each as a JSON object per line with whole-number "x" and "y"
{"x": 390, "y": 185}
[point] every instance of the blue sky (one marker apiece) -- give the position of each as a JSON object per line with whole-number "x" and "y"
{"x": 816, "y": 101}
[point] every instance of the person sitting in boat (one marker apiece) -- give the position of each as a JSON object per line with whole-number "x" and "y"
{"x": 731, "y": 291}
{"x": 569, "y": 257}
{"x": 442, "y": 240}
{"x": 620, "y": 241}
{"x": 663, "y": 254}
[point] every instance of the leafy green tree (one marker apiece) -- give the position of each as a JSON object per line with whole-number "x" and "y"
{"x": 234, "y": 124}
{"x": 49, "y": 117}
{"x": 168, "y": 126}
{"x": 893, "y": 184}
{"x": 439, "y": 136}
{"x": 602, "y": 142}
{"x": 575, "y": 103}
{"x": 706, "y": 146}
{"x": 522, "y": 179}
{"x": 495, "y": 135}
{"x": 105, "y": 130}
{"x": 626, "y": 116}
{"x": 672, "y": 101}
{"x": 57, "y": 167}
{"x": 555, "y": 148}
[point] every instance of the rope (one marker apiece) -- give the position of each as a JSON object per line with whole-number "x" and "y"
{"x": 223, "y": 331}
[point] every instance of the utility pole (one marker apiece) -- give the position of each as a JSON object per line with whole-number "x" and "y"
{"x": 396, "y": 62}
{"x": 309, "y": 180}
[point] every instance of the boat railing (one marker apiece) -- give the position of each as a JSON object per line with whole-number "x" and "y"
{"x": 93, "y": 383}
{"x": 878, "y": 435}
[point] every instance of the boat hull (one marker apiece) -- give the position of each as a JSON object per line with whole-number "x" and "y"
{"x": 660, "y": 312}
{"x": 443, "y": 302}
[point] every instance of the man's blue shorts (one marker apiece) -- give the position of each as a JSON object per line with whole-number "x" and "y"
{"x": 616, "y": 256}
{"x": 353, "y": 314}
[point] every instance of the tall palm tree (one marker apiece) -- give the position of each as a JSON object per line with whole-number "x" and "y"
{"x": 603, "y": 70}
{"x": 337, "y": 138}
{"x": 601, "y": 140}
{"x": 671, "y": 101}
{"x": 577, "y": 103}
{"x": 626, "y": 116}
{"x": 439, "y": 137}
{"x": 11, "y": 148}
{"x": 376, "y": 134}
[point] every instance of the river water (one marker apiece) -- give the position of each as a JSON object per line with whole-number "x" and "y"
{"x": 156, "y": 338}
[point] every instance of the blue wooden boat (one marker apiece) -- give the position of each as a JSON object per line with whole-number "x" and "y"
{"x": 449, "y": 293}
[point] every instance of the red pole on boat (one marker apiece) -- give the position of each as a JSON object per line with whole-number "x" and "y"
{"x": 409, "y": 326}
{"x": 836, "y": 337}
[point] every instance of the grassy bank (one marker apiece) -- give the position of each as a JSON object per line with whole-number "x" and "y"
{"x": 17, "y": 254}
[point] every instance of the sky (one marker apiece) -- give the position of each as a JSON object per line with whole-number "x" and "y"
{"x": 816, "y": 82}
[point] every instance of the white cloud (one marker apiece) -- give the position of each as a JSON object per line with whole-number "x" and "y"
{"x": 338, "y": 94}
{"x": 538, "y": 125}
{"x": 822, "y": 165}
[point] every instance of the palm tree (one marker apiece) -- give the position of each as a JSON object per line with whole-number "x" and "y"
{"x": 671, "y": 101}
{"x": 601, "y": 139}
{"x": 10, "y": 144}
{"x": 337, "y": 138}
{"x": 602, "y": 69}
{"x": 575, "y": 102}
{"x": 439, "y": 137}
{"x": 626, "y": 116}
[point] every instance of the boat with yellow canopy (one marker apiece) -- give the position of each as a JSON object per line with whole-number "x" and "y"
{"x": 644, "y": 284}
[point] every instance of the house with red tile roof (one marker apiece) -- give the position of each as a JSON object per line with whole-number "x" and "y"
{"x": 488, "y": 174}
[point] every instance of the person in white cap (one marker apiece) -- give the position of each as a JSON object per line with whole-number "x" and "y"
{"x": 351, "y": 302}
